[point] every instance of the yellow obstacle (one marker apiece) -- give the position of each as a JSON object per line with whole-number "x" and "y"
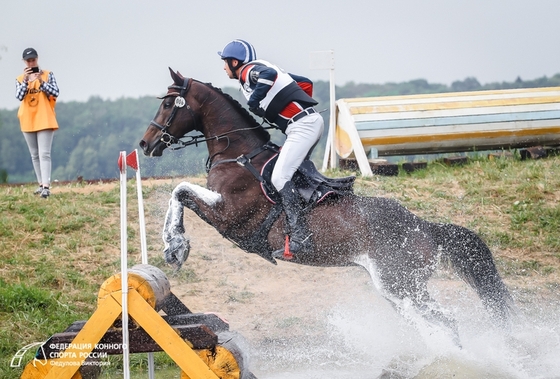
{"x": 149, "y": 292}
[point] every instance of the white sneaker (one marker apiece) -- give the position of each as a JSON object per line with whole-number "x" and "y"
{"x": 38, "y": 191}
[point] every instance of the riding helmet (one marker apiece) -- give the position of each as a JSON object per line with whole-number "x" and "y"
{"x": 238, "y": 49}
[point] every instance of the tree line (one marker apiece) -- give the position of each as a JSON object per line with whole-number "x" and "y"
{"x": 92, "y": 133}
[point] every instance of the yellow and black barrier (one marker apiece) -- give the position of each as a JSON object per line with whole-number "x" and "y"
{"x": 200, "y": 343}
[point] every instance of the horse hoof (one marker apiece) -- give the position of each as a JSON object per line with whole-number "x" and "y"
{"x": 177, "y": 251}
{"x": 170, "y": 257}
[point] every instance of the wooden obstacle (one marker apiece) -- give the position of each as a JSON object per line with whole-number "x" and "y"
{"x": 200, "y": 343}
{"x": 445, "y": 122}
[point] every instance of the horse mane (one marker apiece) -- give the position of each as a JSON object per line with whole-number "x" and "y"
{"x": 242, "y": 110}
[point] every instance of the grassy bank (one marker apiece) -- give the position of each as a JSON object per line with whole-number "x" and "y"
{"x": 55, "y": 253}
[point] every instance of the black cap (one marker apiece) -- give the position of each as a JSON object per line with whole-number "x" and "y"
{"x": 29, "y": 53}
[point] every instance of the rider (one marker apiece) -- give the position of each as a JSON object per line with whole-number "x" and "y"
{"x": 285, "y": 100}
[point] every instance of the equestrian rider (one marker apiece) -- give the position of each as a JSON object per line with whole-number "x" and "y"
{"x": 284, "y": 100}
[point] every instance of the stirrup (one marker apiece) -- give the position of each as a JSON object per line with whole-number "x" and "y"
{"x": 287, "y": 254}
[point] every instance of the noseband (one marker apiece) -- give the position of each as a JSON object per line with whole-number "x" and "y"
{"x": 180, "y": 102}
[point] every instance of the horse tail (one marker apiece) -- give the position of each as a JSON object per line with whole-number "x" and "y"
{"x": 472, "y": 260}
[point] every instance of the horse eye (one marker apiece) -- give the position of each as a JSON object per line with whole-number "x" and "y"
{"x": 167, "y": 105}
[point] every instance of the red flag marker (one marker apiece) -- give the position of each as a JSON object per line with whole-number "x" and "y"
{"x": 120, "y": 163}
{"x": 132, "y": 160}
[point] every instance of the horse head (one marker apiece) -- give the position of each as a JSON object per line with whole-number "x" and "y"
{"x": 175, "y": 117}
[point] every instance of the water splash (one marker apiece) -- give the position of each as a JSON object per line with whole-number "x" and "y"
{"x": 367, "y": 341}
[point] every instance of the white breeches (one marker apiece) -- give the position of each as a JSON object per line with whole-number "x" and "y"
{"x": 301, "y": 138}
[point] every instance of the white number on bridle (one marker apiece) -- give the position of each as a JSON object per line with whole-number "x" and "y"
{"x": 180, "y": 102}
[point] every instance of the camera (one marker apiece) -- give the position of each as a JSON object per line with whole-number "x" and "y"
{"x": 34, "y": 69}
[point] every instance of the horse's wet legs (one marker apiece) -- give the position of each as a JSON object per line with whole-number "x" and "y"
{"x": 410, "y": 287}
{"x": 185, "y": 195}
{"x": 433, "y": 313}
{"x": 177, "y": 247}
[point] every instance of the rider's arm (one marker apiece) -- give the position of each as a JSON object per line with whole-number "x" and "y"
{"x": 262, "y": 77}
{"x": 304, "y": 83}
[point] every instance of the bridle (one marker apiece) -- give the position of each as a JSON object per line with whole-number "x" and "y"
{"x": 179, "y": 103}
{"x": 168, "y": 139}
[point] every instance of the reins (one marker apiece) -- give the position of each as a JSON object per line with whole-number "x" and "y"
{"x": 180, "y": 102}
{"x": 195, "y": 140}
{"x": 168, "y": 139}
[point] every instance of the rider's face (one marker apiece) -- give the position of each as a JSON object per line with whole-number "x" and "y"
{"x": 228, "y": 70}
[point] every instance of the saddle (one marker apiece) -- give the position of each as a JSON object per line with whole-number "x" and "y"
{"x": 312, "y": 186}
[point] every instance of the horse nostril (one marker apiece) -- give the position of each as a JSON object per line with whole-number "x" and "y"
{"x": 142, "y": 144}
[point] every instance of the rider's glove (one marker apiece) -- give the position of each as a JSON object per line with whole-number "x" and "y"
{"x": 258, "y": 111}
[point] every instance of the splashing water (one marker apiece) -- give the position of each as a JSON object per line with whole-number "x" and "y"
{"x": 367, "y": 341}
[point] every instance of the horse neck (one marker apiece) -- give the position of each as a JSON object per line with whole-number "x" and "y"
{"x": 229, "y": 131}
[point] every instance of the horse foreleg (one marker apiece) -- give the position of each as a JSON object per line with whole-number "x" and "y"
{"x": 177, "y": 247}
{"x": 191, "y": 196}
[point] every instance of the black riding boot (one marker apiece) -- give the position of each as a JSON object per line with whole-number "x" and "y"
{"x": 291, "y": 201}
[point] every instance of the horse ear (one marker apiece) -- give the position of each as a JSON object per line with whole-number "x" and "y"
{"x": 176, "y": 76}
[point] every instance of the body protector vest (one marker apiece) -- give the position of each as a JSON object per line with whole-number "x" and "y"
{"x": 283, "y": 91}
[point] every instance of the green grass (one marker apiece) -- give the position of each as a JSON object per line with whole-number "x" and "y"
{"x": 55, "y": 253}
{"x": 523, "y": 195}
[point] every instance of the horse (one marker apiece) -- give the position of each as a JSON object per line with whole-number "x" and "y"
{"x": 399, "y": 250}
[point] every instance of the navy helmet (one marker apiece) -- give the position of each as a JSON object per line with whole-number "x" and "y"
{"x": 238, "y": 49}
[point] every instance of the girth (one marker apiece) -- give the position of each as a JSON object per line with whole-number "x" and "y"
{"x": 245, "y": 160}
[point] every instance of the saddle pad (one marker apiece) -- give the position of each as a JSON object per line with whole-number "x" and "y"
{"x": 312, "y": 186}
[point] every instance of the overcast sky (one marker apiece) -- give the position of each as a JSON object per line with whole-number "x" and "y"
{"x": 116, "y": 48}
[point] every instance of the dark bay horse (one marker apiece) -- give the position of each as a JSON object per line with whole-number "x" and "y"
{"x": 398, "y": 249}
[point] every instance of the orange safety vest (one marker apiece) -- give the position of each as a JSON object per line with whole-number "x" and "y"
{"x": 36, "y": 111}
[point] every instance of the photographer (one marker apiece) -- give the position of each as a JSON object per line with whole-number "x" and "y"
{"x": 37, "y": 90}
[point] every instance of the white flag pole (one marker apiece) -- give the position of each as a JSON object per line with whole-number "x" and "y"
{"x": 133, "y": 161}
{"x": 124, "y": 269}
{"x": 141, "y": 220}
{"x": 324, "y": 60}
